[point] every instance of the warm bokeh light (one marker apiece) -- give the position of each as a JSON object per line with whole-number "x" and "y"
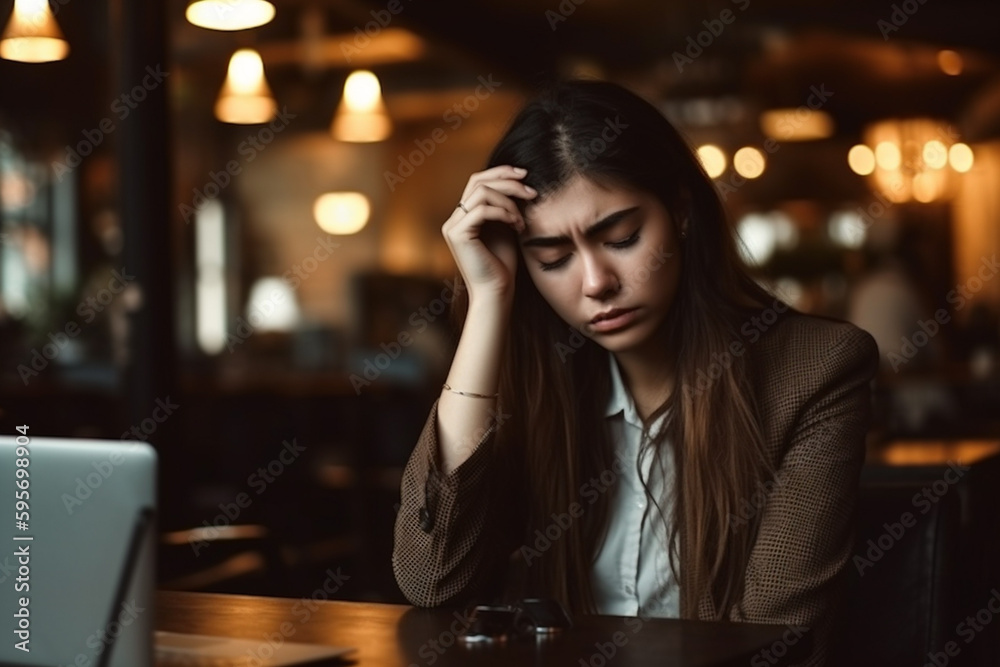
{"x": 229, "y": 14}
{"x": 245, "y": 97}
{"x": 749, "y": 162}
{"x": 17, "y": 190}
{"x": 935, "y": 154}
{"x": 792, "y": 292}
{"x": 861, "y": 160}
{"x": 846, "y": 228}
{"x": 887, "y": 156}
{"x": 362, "y": 91}
{"x": 210, "y": 276}
{"x": 933, "y": 452}
{"x": 341, "y": 212}
{"x": 761, "y": 233}
{"x": 911, "y": 159}
{"x": 786, "y": 232}
{"x": 272, "y": 305}
{"x": 712, "y": 159}
{"x": 361, "y": 116}
{"x": 32, "y": 34}
{"x": 960, "y": 157}
{"x": 246, "y": 70}
{"x": 950, "y": 62}
{"x": 924, "y": 189}
{"x": 798, "y": 124}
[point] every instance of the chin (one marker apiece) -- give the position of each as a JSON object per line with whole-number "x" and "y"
{"x": 622, "y": 341}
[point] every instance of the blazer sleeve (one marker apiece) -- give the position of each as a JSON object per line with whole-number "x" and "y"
{"x": 442, "y": 547}
{"x": 795, "y": 575}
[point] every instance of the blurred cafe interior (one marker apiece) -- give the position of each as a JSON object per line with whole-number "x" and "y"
{"x": 220, "y": 232}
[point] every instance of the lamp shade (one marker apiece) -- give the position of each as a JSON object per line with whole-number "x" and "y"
{"x": 32, "y": 34}
{"x": 341, "y": 212}
{"x": 361, "y": 116}
{"x": 229, "y": 14}
{"x": 245, "y": 97}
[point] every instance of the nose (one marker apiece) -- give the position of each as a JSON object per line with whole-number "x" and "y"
{"x": 599, "y": 278}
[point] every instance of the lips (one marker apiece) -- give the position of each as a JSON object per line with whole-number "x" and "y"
{"x": 611, "y": 314}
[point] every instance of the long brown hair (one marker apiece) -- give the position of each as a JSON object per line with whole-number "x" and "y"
{"x": 555, "y": 384}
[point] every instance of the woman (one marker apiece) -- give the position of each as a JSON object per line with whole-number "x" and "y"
{"x": 631, "y": 424}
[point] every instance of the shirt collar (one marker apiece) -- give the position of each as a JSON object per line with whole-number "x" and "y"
{"x": 621, "y": 401}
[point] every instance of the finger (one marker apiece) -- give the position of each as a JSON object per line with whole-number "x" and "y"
{"x": 490, "y": 196}
{"x": 511, "y": 188}
{"x": 485, "y": 212}
{"x": 504, "y": 171}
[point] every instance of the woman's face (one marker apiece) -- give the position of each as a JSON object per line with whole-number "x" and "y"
{"x": 592, "y": 249}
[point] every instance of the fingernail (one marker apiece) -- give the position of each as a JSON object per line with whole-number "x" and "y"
{"x": 531, "y": 189}
{"x": 521, "y": 170}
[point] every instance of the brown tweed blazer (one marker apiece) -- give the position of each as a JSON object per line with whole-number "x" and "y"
{"x": 457, "y": 536}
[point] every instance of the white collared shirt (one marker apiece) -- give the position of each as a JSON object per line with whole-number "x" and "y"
{"x": 632, "y": 572}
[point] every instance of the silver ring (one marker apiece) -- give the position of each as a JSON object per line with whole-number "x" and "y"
{"x": 462, "y": 206}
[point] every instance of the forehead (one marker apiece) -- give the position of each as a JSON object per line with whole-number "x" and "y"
{"x": 578, "y": 203}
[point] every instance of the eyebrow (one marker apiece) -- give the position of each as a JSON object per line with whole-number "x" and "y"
{"x": 590, "y": 232}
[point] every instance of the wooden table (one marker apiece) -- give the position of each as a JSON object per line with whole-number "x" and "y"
{"x": 398, "y": 635}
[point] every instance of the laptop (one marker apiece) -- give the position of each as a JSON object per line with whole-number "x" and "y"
{"x": 77, "y": 562}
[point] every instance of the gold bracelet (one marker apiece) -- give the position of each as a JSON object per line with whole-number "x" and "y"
{"x": 469, "y": 393}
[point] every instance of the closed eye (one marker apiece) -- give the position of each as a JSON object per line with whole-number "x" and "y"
{"x": 624, "y": 243}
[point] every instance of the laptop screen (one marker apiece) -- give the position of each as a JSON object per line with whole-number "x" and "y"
{"x": 77, "y": 562}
